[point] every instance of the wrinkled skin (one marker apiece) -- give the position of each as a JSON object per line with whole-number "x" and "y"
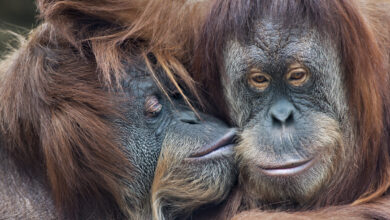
{"x": 182, "y": 183}
{"x": 292, "y": 113}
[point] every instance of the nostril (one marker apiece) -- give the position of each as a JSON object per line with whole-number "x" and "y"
{"x": 276, "y": 121}
{"x": 290, "y": 119}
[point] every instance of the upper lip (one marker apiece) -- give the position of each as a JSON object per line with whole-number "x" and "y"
{"x": 226, "y": 139}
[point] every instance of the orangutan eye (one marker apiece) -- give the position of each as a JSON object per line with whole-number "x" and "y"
{"x": 297, "y": 75}
{"x": 152, "y": 106}
{"x": 259, "y": 80}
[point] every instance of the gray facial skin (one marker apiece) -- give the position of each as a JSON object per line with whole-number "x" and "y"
{"x": 186, "y": 176}
{"x": 291, "y": 130}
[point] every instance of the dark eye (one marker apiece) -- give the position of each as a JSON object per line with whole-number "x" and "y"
{"x": 152, "y": 106}
{"x": 258, "y": 79}
{"x": 297, "y": 75}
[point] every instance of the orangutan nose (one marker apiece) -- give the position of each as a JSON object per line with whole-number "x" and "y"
{"x": 282, "y": 113}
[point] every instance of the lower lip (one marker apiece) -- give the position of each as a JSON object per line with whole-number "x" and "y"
{"x": 289, "y": 171}
{"x": 225, "y": 151}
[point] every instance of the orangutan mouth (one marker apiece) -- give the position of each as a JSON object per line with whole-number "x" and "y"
{"x": 287, "y": 169}
{"x": 223, "y": 146}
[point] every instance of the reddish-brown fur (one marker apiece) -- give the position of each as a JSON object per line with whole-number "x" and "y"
{"x": 167, "y": 28}
{"x": 360, "y": 30}
{"x": 53, "y": 112}
{"x": 55, "y": 97}
{"x": 378, "y": 209}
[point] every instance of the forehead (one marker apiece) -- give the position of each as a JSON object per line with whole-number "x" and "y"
{"x": 142, "y": 87}
{"x": 271, "y": 44}
{"x": 273, "y": 38}
{"x": 138, "y": 81}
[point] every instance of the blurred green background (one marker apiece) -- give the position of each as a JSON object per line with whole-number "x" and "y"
{"x": 18, "y": 16}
